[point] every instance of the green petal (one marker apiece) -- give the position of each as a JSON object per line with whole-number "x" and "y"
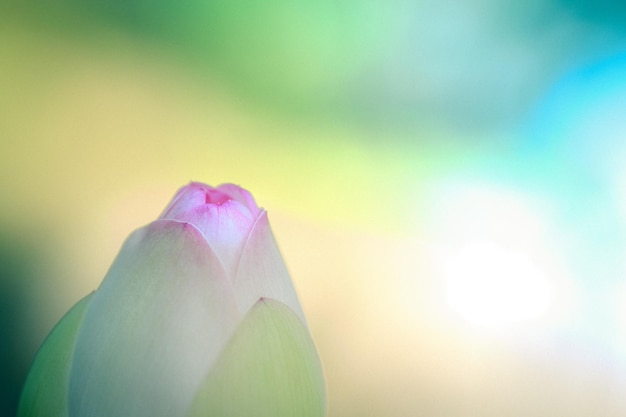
{"x": 270, "y": 368}
{"x": 262, "y": 273}
{"x": 154, "y": 327}
{"x": 45, "y": 391}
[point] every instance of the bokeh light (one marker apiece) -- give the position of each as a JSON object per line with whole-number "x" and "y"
{"x": 491, "y": 286}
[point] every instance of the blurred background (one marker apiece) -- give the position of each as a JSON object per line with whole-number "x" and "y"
{"x": 446, "y": 180}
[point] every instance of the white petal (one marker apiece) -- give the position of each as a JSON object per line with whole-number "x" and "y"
{"x": 270, "y": 368}
{"x": 153, "y": 328}
{"x": 262, "y": 272}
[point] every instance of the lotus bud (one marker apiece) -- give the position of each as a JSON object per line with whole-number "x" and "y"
{"x": 197, "y": 316}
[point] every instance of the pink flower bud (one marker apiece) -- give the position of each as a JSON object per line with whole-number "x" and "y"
{"x": 197, "y": 316}
{"x": 225, "y": 215}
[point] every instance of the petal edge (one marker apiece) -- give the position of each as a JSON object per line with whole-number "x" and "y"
{"x": 158, "y": 321}
{"x": 270, "y": 368}
{"x": 261, "y": 272}
{"x": 46, "y": 389}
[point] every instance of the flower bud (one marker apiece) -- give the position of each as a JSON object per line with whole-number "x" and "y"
{"x": 197, "y": 316}
{"x": 224, "y": 215}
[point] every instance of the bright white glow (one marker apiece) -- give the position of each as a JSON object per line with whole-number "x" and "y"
{"x": 618, "y": 300}
{"x": 500, "y": 265}
{"x": 490, "y": 286}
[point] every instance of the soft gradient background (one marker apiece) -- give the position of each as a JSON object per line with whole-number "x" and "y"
{"x": 446, "y": 180}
